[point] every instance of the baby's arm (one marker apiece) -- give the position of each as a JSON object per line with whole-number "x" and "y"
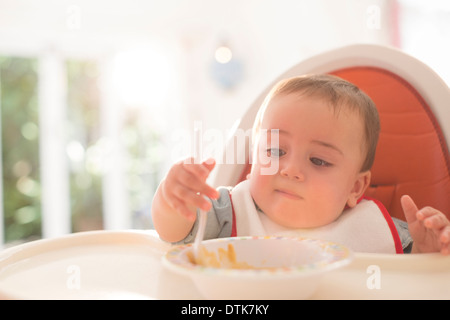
{"x": 429, "y": 228}
{"x": 178, "y": 196}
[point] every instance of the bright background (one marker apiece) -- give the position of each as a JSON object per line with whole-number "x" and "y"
{"x": 97, "y": 97}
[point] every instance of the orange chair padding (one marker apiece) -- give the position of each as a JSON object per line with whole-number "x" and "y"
{"x": 412, "y": 155}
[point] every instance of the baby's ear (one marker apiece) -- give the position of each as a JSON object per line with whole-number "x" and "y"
{"x": 361, "y": 183}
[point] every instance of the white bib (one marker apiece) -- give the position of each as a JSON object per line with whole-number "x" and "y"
{"x": 364, "y": 228}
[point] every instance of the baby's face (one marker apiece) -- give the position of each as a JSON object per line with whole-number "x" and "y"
{"x": 319, "y": 158}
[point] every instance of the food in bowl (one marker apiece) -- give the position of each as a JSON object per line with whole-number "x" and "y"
{"x": 225, "y": 258}
{"x": 274, "y": 267}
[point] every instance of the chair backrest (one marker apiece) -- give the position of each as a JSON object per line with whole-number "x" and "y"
{"x": 414, "y": 106}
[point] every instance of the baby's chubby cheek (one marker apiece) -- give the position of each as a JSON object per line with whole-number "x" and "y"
{"x": 258, "y": 186}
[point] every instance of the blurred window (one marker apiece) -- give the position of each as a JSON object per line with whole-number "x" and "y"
{"x": 424, "y": 25}
{"x": 21, "y": 200}
{"x": 87, "y": 152}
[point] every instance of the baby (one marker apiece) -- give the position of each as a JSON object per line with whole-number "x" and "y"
{"x": 320, "y": 133}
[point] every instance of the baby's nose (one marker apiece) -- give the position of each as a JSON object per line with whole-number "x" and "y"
{"x": 292, "y": 171}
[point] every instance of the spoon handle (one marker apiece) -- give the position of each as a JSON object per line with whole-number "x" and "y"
{"x": 200, "y": 234}
{"x": 202, "y": 214}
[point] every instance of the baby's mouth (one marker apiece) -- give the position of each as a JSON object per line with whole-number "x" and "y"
{"x": 288, "y": 194}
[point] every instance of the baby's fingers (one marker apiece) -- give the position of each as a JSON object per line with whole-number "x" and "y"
{"x": 409, "y": 208}
{"x": 185, "y": 201}
{"x": 445, "y": 240}
{"x": 196, "y": 185}
{"x": 194, "y": 177}
{"x": 432, "y": 218}
{"x": 191, "y": 197}
{"x": 197, "y": 169}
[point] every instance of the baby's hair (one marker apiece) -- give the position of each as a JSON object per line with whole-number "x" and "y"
{"x": 338, "y": 93}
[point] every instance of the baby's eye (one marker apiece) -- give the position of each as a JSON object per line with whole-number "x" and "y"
{"x": 320, "y": 163}
{"x": 275, "y": 152}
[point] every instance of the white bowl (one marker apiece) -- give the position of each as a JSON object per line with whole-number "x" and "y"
{"x": 285, "y": 268}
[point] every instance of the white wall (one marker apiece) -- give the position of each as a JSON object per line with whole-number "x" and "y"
{"x": 266, "y": 36}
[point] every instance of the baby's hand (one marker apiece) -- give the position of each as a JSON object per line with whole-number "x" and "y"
{"x": 429, "y": 228}
{"x": 185, "y": 186}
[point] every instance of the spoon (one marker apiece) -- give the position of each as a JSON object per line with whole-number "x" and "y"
{"x": 202, "y": 214}
{"x": 199, "y": 237}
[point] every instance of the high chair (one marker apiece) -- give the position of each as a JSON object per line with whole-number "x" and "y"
{"x": 414, "y": 106}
